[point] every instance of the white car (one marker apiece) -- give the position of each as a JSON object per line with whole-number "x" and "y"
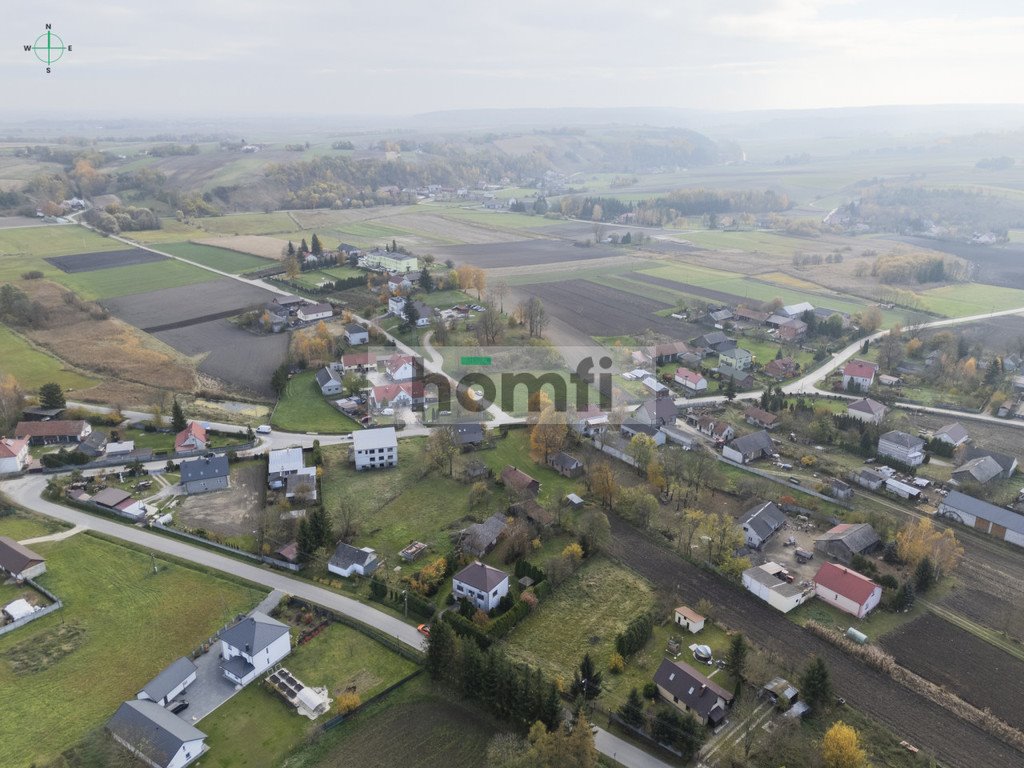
{"x": 263, "y": 429}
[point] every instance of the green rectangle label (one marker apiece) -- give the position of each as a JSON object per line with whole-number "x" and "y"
{"x": 473, "y": 360}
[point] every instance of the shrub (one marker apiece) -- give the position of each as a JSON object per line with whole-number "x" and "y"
{"x": 346, "y": 702}
{"x": 635, "y": 636}
{"x": 650, "y": 691}
{"x": 616, "y": 664}
{"x": 32, "y": 274}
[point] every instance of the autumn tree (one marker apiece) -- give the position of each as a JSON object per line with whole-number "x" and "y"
{"x": 870, "y": 320}
{"x": 594, "y": 531}
{"x": 549, "y": 433}
{"x": 692, "y": 524}
{"x": 603, "y": 483}
{"x": 840, "y": 748}
{"x": 291, "y": 266}
{"x": 12, "y": 401}
{"x": 489, "y": 327}
{"x": 569, "y": 746}
{"x": 637, "y": 505}
{"x": 500, "y": 290}
{"x": 642, "y": 449}
{"x": 442, "y": 448}
{"x": 920, "y": 540}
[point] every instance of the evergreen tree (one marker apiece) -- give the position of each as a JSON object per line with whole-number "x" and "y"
{"x": 737, "y": 655}
{"x": 864, "y": 347}
{"x": 291, "y": 249}
{"x": 924, "y": 575}
{"x": 279, "y": 380}
{"x": 586, "y": 680}
{"x": 303, "y": 248}
{"x": 904, "y": 599}
{"x": 178, "y": 421}
{"x": 442, "y": 650}
{"x": 632, "y": 712}
{"x": 472, "y": 671}
{"x": 320, "y": 527}
{"x": 426, "y": 281}
{"x": 778, "y": 354}
{"x": 730, "y": 389}
{"x": 315, "y": 246}
{"x": 52, "y": 396}
{"x": 394, "y": 247}
{"x": 816, "y": 683}
{"x": 551, "y": 711}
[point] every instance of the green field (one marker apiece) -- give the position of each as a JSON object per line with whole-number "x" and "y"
{"x": 499, "y": 221}
{"x": 248, "y": 224}
{"x": 23, "y": 249}
{"x": 257, "y": 728}
{"x": 515, "y": 450}
{"x": 962, "y": 300}
{"x": 121, "y": 624}
{"x": 756, "y": 241}
{"x": 33, "y": 367}
{"x": 449, "y": 298}
{"x": 21, "y": 525}
{"x": 171, "y": 231}
{"x": 583, "y": 615}
{"x": 218, "y": 258}
{"x": 138, "y": 278}
{"x": 303, "y": 409}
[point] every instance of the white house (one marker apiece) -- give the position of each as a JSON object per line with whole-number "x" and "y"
{"x": 396, "y": 306}
{"x": 481, "y": 584}
{"x": 155, "y": 735}
{"x": 847, "y": 590}
{"x": 688, "y": 619}
{"x": 690, "y": 380}
{"x": 761, "y": 522}
{"x": 174, "y": 679}
{"x": 281, "y": 463}
{"x": 348, "y": 560}
{"x": 388, "y": 261}
{"x": 982, "y": 516}
{"x": 328, "y": 381}
{"x": 769, "y": 583}
{"x": 401, "y": 368}
{"x": 859, "y": 373}
{"x": 901, "y": 446}
{"x": 737, "y": 358}
{"x": 13, "y": 455}
{"x": 309, "y": 313}
{"x": 252, "y": 646}
{"x": 867, "y": 410}
{"x": 743, "y": 450}
{"x": 120, "y": 448}
{"x": 954, "y": 434}
{"x": 375, "y": 448}
{"x": 19, "y": 561}
{"x": 356, "y": 334}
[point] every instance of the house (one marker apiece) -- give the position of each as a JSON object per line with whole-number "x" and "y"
{"x": 375, "y": 448}
{"x": 715, "y": 428}
{"x": 903, "y": 447}
{"x": 121, "y": 448}
{"x": 870, "y": 479}
{"x": 328, "y": 381}
{"x": 782, "y": 368}
{"x": 590, "y": 422}
{"x": 740, "y": 379}
{"x": 760, "y": 418}
{"x": 770, "y": 582}
{"x": 424, "y": 313}
{"x": 309, "y": 313}
{"x": 468, "y": 434}
{"x": 37, "y": 413}
{"x": 1005, "y": 461}
{"x": 980, "y": 470}
{"x": 984, "y": 517}
{"x": 51, "y": 432}
{"x": 840, "y": 490}
{"x": 174, "y": 679}
{"x": 356, "y": 334}
{"x": 348, "y": 560}
{"x": 663, "y": 353}
{"x": 846, "y": 540}
{"x": 396, "y": 306}
{"x": 281, "y": 463}
{"x": 475, "y": 470}
{"x": 712, "y": 343}
{"x": 565, "y": 465}
{"x": 684, "y": 440}
{"x": 690, "y": 380}
{"x": 191, "y": 438}
{"x": 302, "y": 485}
{"x": 867, "y": 410}
{"x": 95, "y": 444}
{"x": 401, "y": 367}
{"x": 656, "y": 411}
{"x": 480, "y": 538}
{"x": 20, "y": 562}
{"x": 792, "y": 330}
{"x": 748, "y": 448}
{"x": 120, "y": 502}
{"x": 748, "y": 315}
{"x": 629, "y": 429}
{"x": 655, "y": 386}
{"x": 156, "y": 736}
{"x": 291, "y": 303}
{"x": 359, "y": 362}
{"x": 847, "y": 590}
{"x": 777, "y": 320}
{"x": 481, "y": 584}
{"x": 796, "y": 310}
{"x": 251, "y": 646}
{"x": 760, "y": 523}
{"x": 737, "y": 358}
{"x": 209, "y": 473}
{"x": 719, "y": 316}
{"x": 289, "y": 552}
{"x": 13, "y": 455}
{"x": 859, "y": 374}
{"x": 399, "y": 283}
{"x": 517, "y": 481}
{"x": 688, "y": 619}
{"x": 388, "y": 261}
{"x": 690, "y": 691}
{"x": 954, "y": 434}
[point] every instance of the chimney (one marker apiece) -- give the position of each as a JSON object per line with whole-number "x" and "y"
{"x": 702, "y": 689}
{"x": 248, "y": 649}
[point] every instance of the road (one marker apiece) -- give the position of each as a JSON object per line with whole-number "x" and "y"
{"x": 624, "y": 752}
{"x": 26, "y": 492}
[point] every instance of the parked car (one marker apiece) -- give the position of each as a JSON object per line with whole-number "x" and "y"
{"x": 795, "y": 480}
{"x": 423, "y": 629}
{"x": 179, "y": 706}
{"x": 263, "y": 429}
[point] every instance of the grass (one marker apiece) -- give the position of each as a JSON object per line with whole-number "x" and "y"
{"x": 38, "y": 242}
{"x": 967, "y": 299}
{"x": 449, "y": 298}
{"x": 303, "y": 409}
{"x": 583, "y": 615}
{"x": 33, "y": 367}
{"x": 20, "y": 525}
{"x": 137, "y": 278}
{"x": 171, "y": 231}
{"x": 515, "y": 450}
{"x": 248, "y": 224}
{"x": 757, "y": 240}
{"x": 126, "y": 624}
{"x": 258, "y": 728}
{"x": 217, "y": 258}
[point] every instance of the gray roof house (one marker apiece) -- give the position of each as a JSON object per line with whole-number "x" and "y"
{"x": 565, "y": 464}
{"x": 347, "y": 560}
{"x": 846, "y": 540}
{"x": 1007, "y": 462}
{"x": 328, "y": 381}
{"x": 468, "y": 434}
{"x": 158, "y": 737}
{"x": 251, "y": 646}
{"x": 869, "y": 478}
{"x": 656, "y": 411}
{"x": 901, "y": 446}
{"x": 480, "y": 538}
{"x": 743, "y": 450}
{"x": 174, "y": 679}
{"x": 761, "y": 522}
{"x": 690, "y": 691}
{"x": 979, "y": 470}
{"x": 954, "y": 434}
{"x": 209, "y": 473}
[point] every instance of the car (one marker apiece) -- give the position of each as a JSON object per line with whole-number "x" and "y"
{"x": 795, "y": 480}
{"x": 424, "y": 629}
{"x": 263, "y": 429}
{"x": 179, "y": 706}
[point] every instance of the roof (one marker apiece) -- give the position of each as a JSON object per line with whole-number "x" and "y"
{"x": 382, "y": 437}
{"x": 689, "y": 614}
{"x": 397, "y": 361}
{"x": 659, "y": 409}
{"x": 206, "y": 468}
{"x": 563, "y": 460}
{"x": 728, "y": 372}
{"x": 325, "y": 376}
{"x": 516, "y": 478}
{"x": 480, "y": 536}
{"x": 868, "y": 406}
{"x": 765, "y": 574}
{"x": 354, "y": 328}
{"x": 972, "y": 506}
{"x": 468, "y": 432}
{"x": 481, "y": 577}
{"x": 110, "y": 497}
{"x": 152, "y": 730}
{"x": 289, "y": 551}
{"x": 764, "y": 519}
{"x": 760, "y": 415}
{"x": 345, "y": 556}
{"x": 316, "y": 309}
{"x": 15, "y": 557}
{"x": 19, "y": 609}
{"x": 173, "y": 675}
{"x": 792, "y": 310}
{"x": 754, "y": 444}
{"x": 952, "y": 433}
{"x": 193, "y": 429}
{"x": 288, "y": 300}
{"x": 285, "y": 460}
{"x": 55, "y": 428}
{"x": 358, "y": 358}
{"x": 9, "y": 449}
{"x": 981, "y": 469}
{"x": 780, "y": 367}
{"x": 688, "y": 685}
{"x": 1005, "y": 460}
{"x": 860, "y": 368}
{"x": 254, "y": 633}
{"x": 871, "y": 476}
{"x": 712, "y": 339}
{"x": 902, "y": 439}
{"x": 687, "y": 375}
{"x": 846, "y": 582}
{"x": 856, "y": 536}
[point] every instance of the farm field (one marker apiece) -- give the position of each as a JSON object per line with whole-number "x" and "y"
{"x": 771, "y": 243}
{"x": 181, "y": 304}
{"x": 524, "y": 254}
{"x": 960, "y": 300}
{"x": 88, "y": 262}
{"x": 171, "y": 231}
{"x": 33, "y": 367}
{"x": 113, "y": 602}
{"x": 582, "y": 616}
{"x": 257, "y": 729}
{"x": 248, "y": 223}
{"x": 139, "y": 278}
{"x": 218, "y": 258}
{"x": 253, "y": 245}
{"x": 955, "y": 659}
{"x": 999, "y": 265}
{"x": 303, "y": 409}
{"x": 25, "y": 248}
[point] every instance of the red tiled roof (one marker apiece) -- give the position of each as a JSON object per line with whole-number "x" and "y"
{"x": 9, "y": 449}
{"x": 687, "y": 375}
{"x": 398, "y": 361}
{"x": 860, "y": 369}
{"x": 359, "y": 358}
{"x": 845, "y": 582}
{"x": 193, "y": 429}
{"x": 516, "y": 478}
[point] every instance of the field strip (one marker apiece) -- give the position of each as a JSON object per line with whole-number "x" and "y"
{"x": 990, "y": 636}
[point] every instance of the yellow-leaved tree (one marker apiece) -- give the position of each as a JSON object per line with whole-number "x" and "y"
{"x": 841, "y": 747}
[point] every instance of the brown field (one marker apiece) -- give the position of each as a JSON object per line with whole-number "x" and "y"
{"x": 998, "y": 265}
{"x": 231, "y": 512}
{"x": 524, "y": 254}
{"x": 455, "y": 230}
{"x": 255, "y": 245}
{"x": 976, "y": 671}
{"x": 609, "y": 263}
{"x": 192, "y": 302}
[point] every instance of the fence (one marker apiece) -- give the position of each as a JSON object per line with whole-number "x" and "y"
{"x": 206, "y": 542}
{"x": 339, "y": 719}
{"x": 392, "y": 643}
{"x": 56, "y": 605}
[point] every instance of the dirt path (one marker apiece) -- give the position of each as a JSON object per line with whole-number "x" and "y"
{"x": 911, "y": 716}
{"x": 56, "y": 536}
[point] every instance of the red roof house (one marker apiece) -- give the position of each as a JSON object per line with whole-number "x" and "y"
{"x": 846, "y": 589}
{"x": 191, "y": 438}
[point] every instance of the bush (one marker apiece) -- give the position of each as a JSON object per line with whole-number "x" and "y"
{"x": 346, "y": 702}
{"x": 888, "y": 581}
{"x": 32, "y": 274}
{"x": 635, "y": 636}
{"x": 616, "y": 664}
{"x": 650, "y": 691}
{"x": 466, "y": 628}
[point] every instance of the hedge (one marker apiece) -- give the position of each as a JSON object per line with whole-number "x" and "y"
{"x": 635, "y": 636}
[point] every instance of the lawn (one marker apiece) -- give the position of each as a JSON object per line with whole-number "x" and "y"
{"x": 23, "y": 248}
{"x": 249, "y": 223}
{"x": 218, "y": 258}
{"x": 171, "y": 231}
{"x": 515, "y": 450}
{"x": 449, "y": 298}
{"x": 962, "y": 300}
{"x": 33, "y": 367}
{"x": 257, "y": 728}
{"x": 757, "y": 241}
{"x": 583, "y": 615}
{"x": 303, "y": 409}
{"x": 137, "y": 278}
{"x": 121, "y": 624}
{"x": 20, "y": 525}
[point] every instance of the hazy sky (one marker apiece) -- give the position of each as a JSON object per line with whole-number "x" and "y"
{"x": 224, "y": 57}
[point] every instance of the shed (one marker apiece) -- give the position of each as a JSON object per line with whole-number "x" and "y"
{"x": 689, "y": 619}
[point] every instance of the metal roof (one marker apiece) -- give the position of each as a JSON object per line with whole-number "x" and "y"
{"x": 173, "y": 675}
{"x": 382, "y": 437}
{"x": 204, "y": 469}
{"x": 481, "y": 577}
{"x": 152, "y": 730}
{"x": 957, "y": 501}
{"x": 254, "y": 633}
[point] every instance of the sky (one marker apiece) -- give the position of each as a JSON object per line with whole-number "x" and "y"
{"x": 221, "y": 58}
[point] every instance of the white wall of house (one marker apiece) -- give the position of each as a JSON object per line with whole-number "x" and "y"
{"x": 733, "y": 455}
{"x": 485, "y": 601}
{"x": 14, "y": 463}
{"x": 775, "y": 599}
{"x": 188, "y": 753}
{"x": 332, "y": 387}
{"x": 263, "y": 660}
{"x": 376, "y": 458}
{"x": 847, "y": 605}
{"x": 173, "y": 692}
{"x": 692, "y": 626}
{"x": 862, "y": 383}
{"x": 912, "y": 458}
{"x": 308, "y": 316}
{"x": 31, "y": 572}
{"x": 357, "y": 338}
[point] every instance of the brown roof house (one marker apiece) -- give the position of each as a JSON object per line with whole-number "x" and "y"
{"x": 517, "y": 481}
{"x": 19, "y": 561}
{"x": 690, "y": 691}
{"x": 565, "y": 464}
{"x": 49, "y": 432}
